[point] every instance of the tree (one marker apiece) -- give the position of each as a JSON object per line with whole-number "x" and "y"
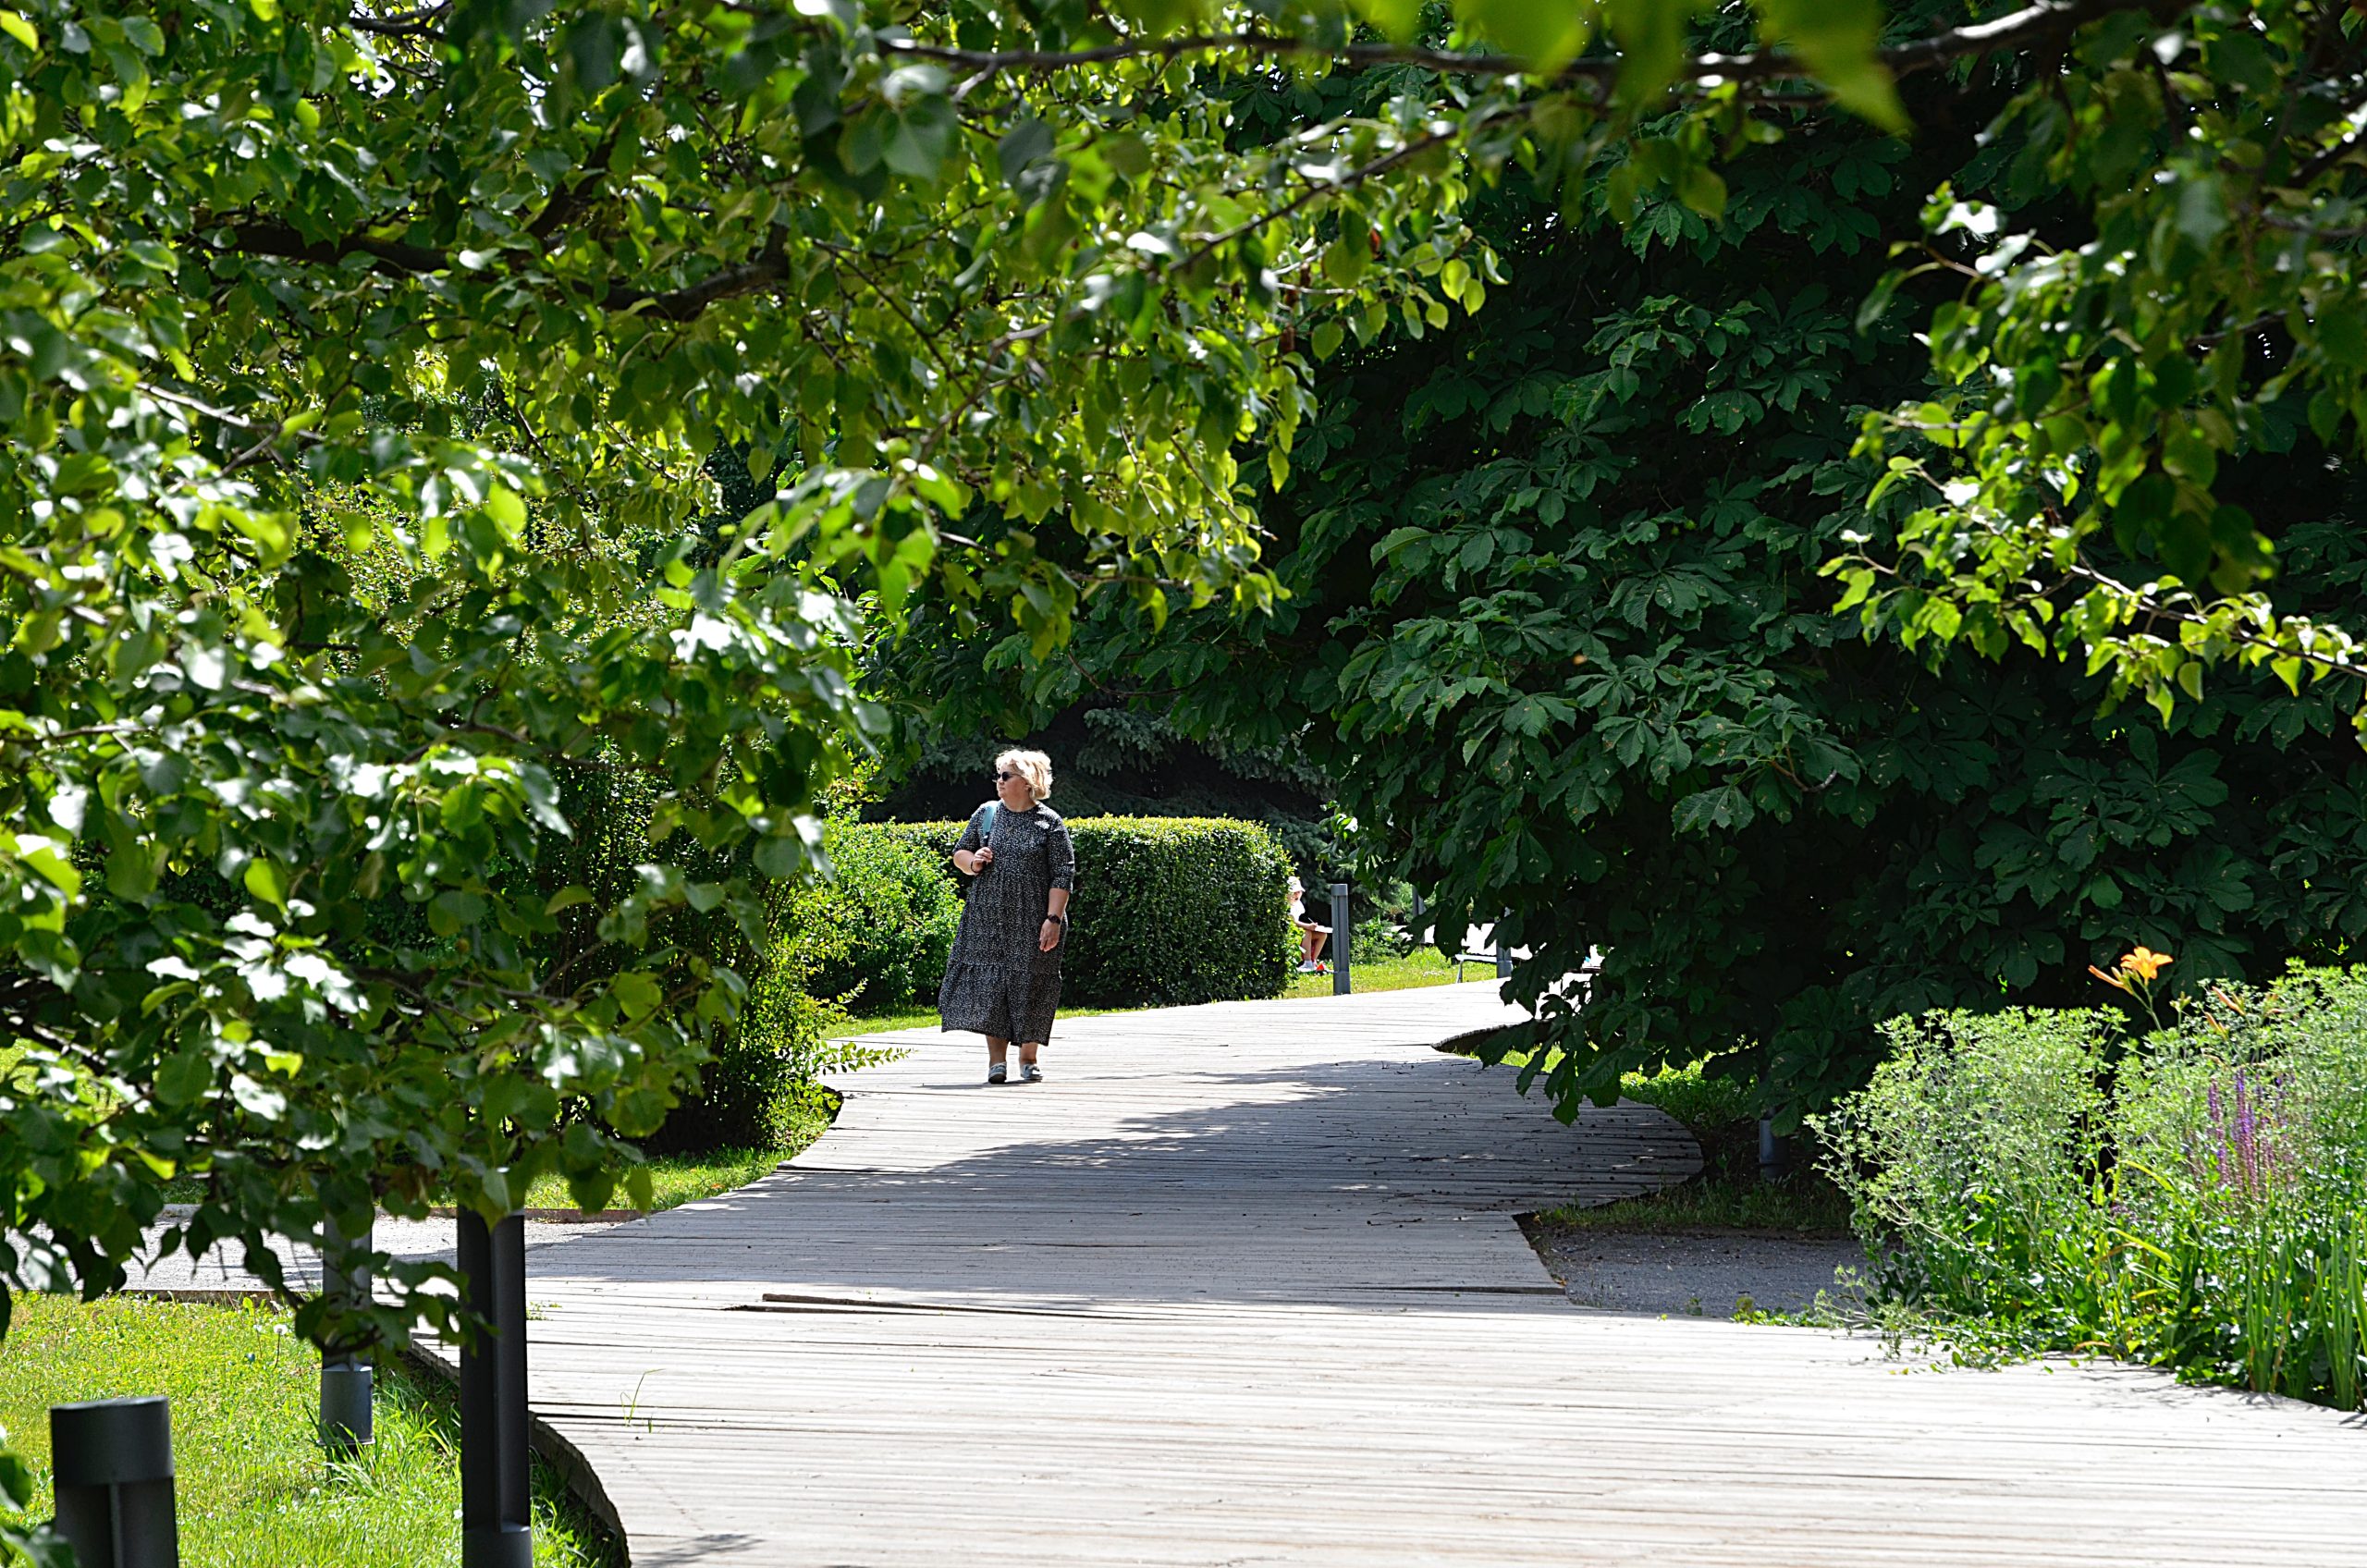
{"x": 2165, "y": 282}
{"x": 342, "y": 340}
{"x": 1552, "y": 621}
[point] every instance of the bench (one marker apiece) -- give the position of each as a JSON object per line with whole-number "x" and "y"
{"x": 1480, "y": 947}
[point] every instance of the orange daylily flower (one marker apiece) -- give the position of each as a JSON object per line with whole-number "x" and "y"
{"x": 2145, "y": 964}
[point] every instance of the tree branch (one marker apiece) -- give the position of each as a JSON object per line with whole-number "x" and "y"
{"x": 683, "y": 304}
{"x": 269, "y": 237}
{"x": 2014, "y": 30}
{"x": 423, "y": 23}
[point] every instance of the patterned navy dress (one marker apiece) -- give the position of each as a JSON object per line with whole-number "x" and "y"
{"x": 1000, "y": 981}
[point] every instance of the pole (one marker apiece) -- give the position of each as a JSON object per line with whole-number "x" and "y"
{"x": 1496, "y": 943}
{"x": 114, "y": 1482}
{"x": 1770, "y": 1150}
{"x": 496, "y": 1523}
{"x": 346, "y": 1425}
{"x": 1343, "y": 938}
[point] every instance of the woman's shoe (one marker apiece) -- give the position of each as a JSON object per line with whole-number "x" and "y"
{"x": 998, "y": 1073}
{"x": 1030, "y": 1073}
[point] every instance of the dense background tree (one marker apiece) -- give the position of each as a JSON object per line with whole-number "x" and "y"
{"x": 1553, "y": 623}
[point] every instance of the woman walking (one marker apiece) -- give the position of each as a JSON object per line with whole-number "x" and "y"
{"x": 1003, "y": 980}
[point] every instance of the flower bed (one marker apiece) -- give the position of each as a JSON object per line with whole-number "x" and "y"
{"x": 2193, "y": 1195}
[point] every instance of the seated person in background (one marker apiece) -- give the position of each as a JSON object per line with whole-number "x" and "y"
{"x": 1311, "y": 936}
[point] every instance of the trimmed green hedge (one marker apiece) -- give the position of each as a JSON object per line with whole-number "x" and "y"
{"x": 1167, "y": 910}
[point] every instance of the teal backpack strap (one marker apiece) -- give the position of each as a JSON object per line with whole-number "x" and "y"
{"x": 986, "y": 829}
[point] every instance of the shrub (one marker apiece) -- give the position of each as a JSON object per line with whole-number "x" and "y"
{"x": 1168, "y": 911}
{"x": 2196, "y": 1197}
{"x": 1379, "y": 940}
{"x": 760, "y": 1079}
{"x": 876, "y": 937}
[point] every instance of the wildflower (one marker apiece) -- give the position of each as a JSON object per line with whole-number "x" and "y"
{"x": 2254, "y": 1133}
{"x": 2138, "y": 970}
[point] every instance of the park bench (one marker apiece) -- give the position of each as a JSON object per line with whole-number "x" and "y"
{"x": 1479, "y": 945}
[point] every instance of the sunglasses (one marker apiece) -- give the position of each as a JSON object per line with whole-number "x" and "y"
{"x": 1005, "y": 776}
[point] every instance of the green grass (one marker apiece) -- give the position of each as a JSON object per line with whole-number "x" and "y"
{"x": 1423, "y": 966}
{"x": 253, "y": 1491}
{"x": 1729, "y": 1194}
{"x": 674, "y": 1180}
{"x": 679, "y": 1179}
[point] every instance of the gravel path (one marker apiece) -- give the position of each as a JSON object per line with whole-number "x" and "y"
{"x": 1695, "y": 1276}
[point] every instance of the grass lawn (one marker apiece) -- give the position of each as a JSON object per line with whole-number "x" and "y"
{"x": 675, "y": 1180}
{"x": 253, "y": 1491}
{"x": 1423, "y": 966}
{"x": 1729, "y": 1194}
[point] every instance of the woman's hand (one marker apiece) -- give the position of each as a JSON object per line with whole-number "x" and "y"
{"x": 1053, "y": 931}
{"x": 979, "y": 860}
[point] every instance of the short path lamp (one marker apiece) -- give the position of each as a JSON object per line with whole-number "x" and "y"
{"x": 346, "y": 1425}
{"x": 497, "y": 1521}
{"x": 113, "y": 1459}
{"x": 1343, "y": 938}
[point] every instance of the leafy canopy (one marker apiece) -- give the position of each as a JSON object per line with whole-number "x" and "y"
{"x": 2166, "y": 281}
{"x": 364, "y": 370}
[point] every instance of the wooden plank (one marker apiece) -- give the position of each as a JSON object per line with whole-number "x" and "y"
{"x": 1242, "y": 1284}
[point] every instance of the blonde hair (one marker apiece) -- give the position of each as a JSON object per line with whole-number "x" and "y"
{"x": 1034, "y": 767}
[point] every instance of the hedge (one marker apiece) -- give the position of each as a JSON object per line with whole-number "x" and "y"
{"x": 876, "y": 935}
{"x": 1167, "y": 910}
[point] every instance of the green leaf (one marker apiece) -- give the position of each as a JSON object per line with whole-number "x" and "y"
{"x": 186, "y": 1076}
{"x": 267, "y": 880}
{"x": 1840, "y": 40}
{"x": 1020, "y": 146}
{"x": 1652, "y": 42}
{"x": 636, "y": 993}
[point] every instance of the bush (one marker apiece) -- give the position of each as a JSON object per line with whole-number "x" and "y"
{"x": 760, "y": 1081}
{"x": 876, "y": 937}
{"x": 1379, "y": 940}
{"x": 2196, "y": 1198}
{"x": 1168, "y": 911}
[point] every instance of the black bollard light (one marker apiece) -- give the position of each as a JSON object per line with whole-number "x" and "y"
{"x": 1772, "y": 1153}
{"x": 345, "y": 1374}
{"x": 113, "y": 1459}
{"x": 496, "y": 1528}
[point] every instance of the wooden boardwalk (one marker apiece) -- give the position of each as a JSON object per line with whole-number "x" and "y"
{"x": 1242, "y": 1285}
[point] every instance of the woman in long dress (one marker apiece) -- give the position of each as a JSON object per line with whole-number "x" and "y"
{"x": 1003, "y": 980}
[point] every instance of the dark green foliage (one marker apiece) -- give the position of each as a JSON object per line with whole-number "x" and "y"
{"x": 876, "y": 935}
{"x": 760, "y": 1083}
{"x": 1168, "y": 911}
{"x": 1556, "y": 632}
{"x": 1378, "y": 940}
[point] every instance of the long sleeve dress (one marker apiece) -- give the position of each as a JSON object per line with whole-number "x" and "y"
{"x": 1000, "y": 981}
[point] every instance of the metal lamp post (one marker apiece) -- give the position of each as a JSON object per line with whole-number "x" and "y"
{"x": 1343, "y": 938}
{"x": 496, "y": 1529}
{"x": 112, "y": 1461}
